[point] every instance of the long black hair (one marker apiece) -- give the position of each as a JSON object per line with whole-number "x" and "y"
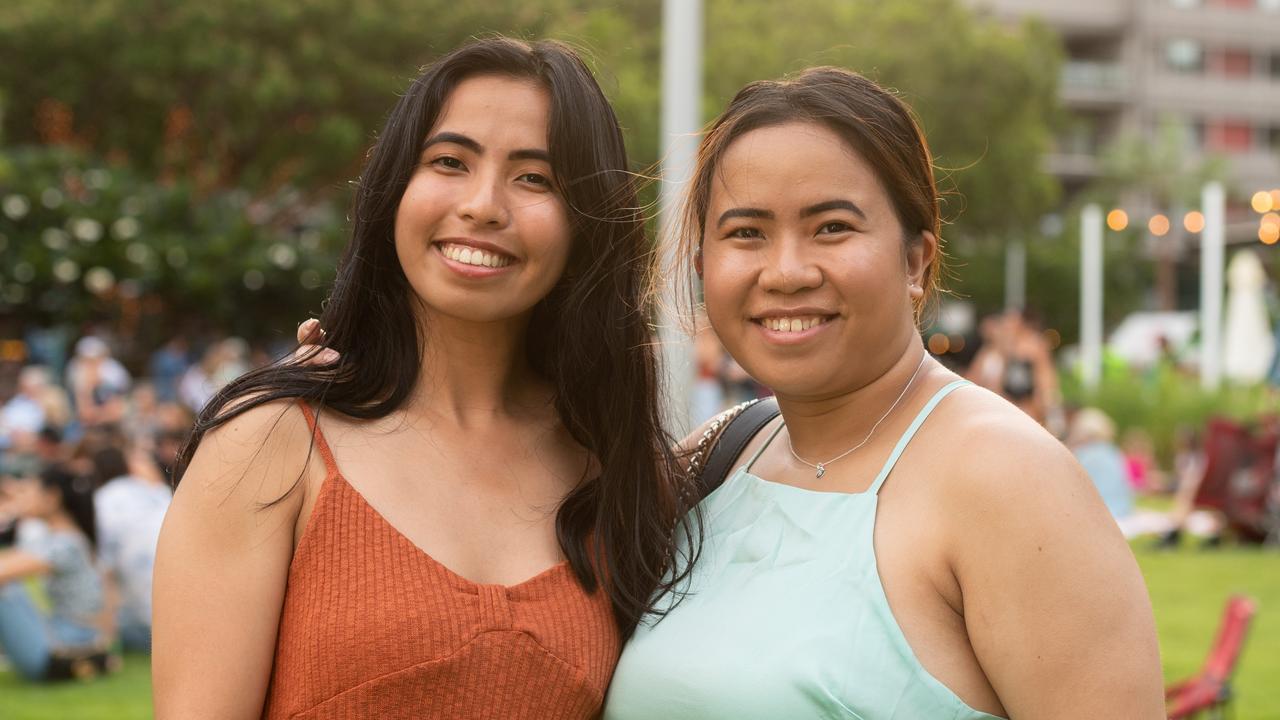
{"x": 590, "y": 337}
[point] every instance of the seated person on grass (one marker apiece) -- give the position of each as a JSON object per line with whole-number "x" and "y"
{"x": 55, "y": 538}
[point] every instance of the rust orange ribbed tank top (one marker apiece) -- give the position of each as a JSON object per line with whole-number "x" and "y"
{"x": 373, "y": 627}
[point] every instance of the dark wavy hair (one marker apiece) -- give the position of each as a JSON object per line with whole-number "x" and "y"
{"x": 590, "y": 337}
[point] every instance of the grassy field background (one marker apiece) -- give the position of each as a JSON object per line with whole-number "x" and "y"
{"x": 1188, "y": 588}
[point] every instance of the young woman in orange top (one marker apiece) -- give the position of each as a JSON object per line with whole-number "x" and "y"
{"x": 460, "y": 509}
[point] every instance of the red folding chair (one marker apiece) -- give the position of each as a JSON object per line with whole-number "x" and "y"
{"x": 1240, "y": 469}
{"x": 1210, "y": 689}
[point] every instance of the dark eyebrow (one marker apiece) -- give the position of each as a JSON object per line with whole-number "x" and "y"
{"x": 833, "y": 205}
{"x": 456, "y": 139}
{"x": 477, "y": 148}
{"x": 744, "y": 213}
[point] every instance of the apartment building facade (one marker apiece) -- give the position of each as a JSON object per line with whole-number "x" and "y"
{"x": 1209, "y": 69}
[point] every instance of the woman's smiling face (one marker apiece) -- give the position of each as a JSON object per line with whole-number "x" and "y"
{"x": 481, "y": 232}
{"x": 807, "y": 271}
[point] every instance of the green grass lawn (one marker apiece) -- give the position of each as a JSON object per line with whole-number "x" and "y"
{"x": 125, "y": 695}
{"x": 1188, "y": 589}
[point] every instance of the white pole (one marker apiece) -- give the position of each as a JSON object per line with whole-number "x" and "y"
{"x": 1212, "y": 240}
{"x": 1015, "y": 276}
{"x": 681, "y": 120}
{"x": 1091, "y": 295}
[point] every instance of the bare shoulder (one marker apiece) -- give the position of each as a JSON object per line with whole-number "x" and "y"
{"x": 1007, "y": 483}
{"x": 252, "y": 459}
{"x": 222, "y": 563}
{"x": 994, "y": 451}
{"x": 1054, "y": 603}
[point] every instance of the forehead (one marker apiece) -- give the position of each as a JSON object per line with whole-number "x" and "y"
{"x": 793, "y": 165}
{"x": 498, "y": 111}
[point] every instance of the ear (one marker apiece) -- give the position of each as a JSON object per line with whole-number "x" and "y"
{"x": 920, "y": 257}
{"x": 697, "y": 262}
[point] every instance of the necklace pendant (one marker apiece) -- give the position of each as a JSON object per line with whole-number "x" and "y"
{"x": 821, "y": 471}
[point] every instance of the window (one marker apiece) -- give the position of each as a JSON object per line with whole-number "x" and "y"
{"x": 1185, "y": 3}
{"x": 1229, "y": 135}
{"x": 1269, "y": 5}
{"x": 1232, "y": 63}
{"x": 1184, "y": 55}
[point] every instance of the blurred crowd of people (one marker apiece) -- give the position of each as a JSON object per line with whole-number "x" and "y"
{"x": 86, "y": 453}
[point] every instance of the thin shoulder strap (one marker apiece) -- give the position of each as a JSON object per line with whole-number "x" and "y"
{"x": 911, "y": 431}
{"x": 330, "y": 465}
{"x": 767, "y": 443}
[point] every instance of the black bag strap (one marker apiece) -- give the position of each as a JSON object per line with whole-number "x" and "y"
{"x": 725, "y": 439}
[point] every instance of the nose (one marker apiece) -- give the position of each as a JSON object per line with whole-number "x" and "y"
{"x": 788, "y": 269}
{"x": 484, "y": 202}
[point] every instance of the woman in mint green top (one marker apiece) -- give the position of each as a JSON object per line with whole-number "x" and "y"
{"x": 896, "y": 546}
{"x": 785, "y": 618}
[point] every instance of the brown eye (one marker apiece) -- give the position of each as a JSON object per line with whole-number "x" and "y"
{"x": 745, "y": 232}
{"x": 832, "y": 228}
{"x": 451, "y": 163}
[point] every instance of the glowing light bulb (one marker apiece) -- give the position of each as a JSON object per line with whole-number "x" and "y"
{"x": 1159, "y": 225}
{"x": 1193, "y": 221}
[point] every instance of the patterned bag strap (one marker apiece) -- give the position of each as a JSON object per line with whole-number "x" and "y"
{"x": 724, "y": 439}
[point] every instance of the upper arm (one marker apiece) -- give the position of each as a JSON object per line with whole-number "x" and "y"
{"x": 222, "y": 564}
{"x": 1054, "y": 602}
{"x": 17, "y": 564}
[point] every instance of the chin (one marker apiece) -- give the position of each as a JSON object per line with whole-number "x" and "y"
{"x": 474, "y": 313}
{"x": 794, "y": 377}
{"x": 799, "y": 387}
{"x": 488, "y": 305}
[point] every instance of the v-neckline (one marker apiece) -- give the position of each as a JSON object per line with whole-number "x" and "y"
{"x": 454, "y": 577}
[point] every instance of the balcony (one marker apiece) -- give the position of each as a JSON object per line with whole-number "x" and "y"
{"x": 1214, "y": 24}
{"x": 1256, "y": 99}
{"x": 1253, "y": 170}
{"x": 1070, "y": 17}
{"x": 1094, "y": 83}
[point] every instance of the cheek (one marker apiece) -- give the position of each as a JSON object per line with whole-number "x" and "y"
{"x": 546, "y": 235}
{"x": 866, "y": 272}
{"x": 727, "y": 280}
{"x": 420, "y": 210}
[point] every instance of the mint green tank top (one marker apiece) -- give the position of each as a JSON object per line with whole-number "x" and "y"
{"x": 786, "y": 617}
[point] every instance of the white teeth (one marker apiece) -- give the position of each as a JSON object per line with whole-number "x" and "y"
{"x": 788, "y": 324}
{"x": 474, "y": 256}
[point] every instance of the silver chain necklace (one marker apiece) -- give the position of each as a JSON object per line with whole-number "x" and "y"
{"x": 821, "y": 467}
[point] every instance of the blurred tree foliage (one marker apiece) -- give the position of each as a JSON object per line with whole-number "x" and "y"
{"x": 219, "y": 109}
{"x": 985, "y": 93}
{"x": 83, "y": 241}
